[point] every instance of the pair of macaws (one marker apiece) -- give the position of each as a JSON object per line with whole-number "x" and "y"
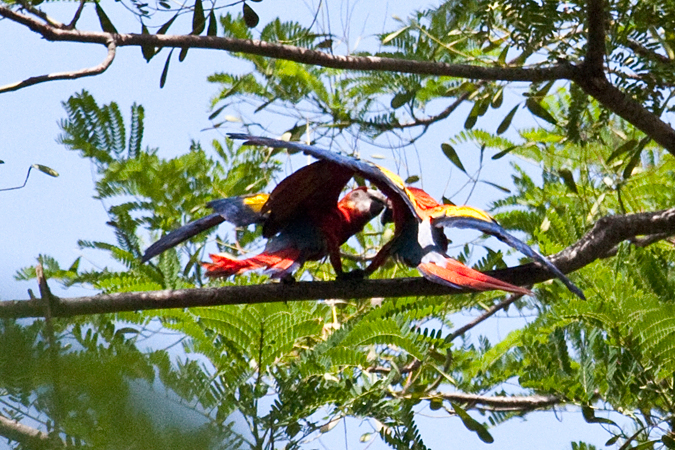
{"x": 303, "y": 220}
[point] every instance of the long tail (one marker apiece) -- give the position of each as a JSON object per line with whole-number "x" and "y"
{"x": 455, "y": 274}
{"x": 182, "y": 234}
{"x": 278, "y": 264}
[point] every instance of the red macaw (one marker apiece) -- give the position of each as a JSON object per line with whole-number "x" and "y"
{"x": 419, "y": 240}
{"x": 301, "y": 222}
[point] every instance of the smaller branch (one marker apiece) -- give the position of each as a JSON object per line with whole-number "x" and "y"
{"x": 641, "y": 50}
{"x": 41, "y": 14}
{"x": 595, "y": 51}
{"x": 24, "y": 182}
{"x": 25, "y": 435}
{"x": 90, "y": 71}
{"x": 486, "y": 315}
{"x": 76, "y": 17}
{"x": 501, "y": 403}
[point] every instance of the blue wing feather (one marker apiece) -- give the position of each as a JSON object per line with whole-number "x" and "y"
{"x": 365, "y": 169}
{"x": 182, "y": 234}
{"x": 496, "y": 230}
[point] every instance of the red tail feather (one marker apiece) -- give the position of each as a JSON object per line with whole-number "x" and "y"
{"x": 279, "y": 263}
{"x": 457, "y": 274}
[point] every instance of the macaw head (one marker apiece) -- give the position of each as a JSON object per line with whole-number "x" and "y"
{"x": 365, "y": 202}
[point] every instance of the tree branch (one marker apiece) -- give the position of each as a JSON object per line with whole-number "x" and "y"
{"x": 595, "y": 47}
{"x": 594, "y": 83}
{"x": 596, "y": 244}
{"x": 297, "y": 54}
{"x": 501, "y": 403}
{"x": 90, "y": 71}
{"x": 25, "y": 435}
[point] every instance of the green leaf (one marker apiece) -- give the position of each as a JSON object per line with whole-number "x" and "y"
{"x": 164, "y": 28}
{"x": 473, "y": 425}
{"x": 473, "y": 116}
{"x": 451, "y": 154}
{"x": 435, "y": 404}
{"x": 498, "y": 98}
{"x": 46, "y": 170}
{"x": 326, "y": 43}
{"x": 634, "y": 160}
{"x": 106, "y": 24}
{"x": 538, "y": 110}
{"x": 147, "y": 50}
{"x": 494, "y": 185}
{"x": 568, "y": 179}
{"x": 502, "y": 56}
{"x": 541, "y": 93}
{"x": 668, "y": 441}
{"x": 589, "y": 416}
{"x": 251, "y": 19}
{"x": 212, "y": 29}
{"x": 165, "y": 71}
{"x": 198, "y": 19}
{"x": 401, "y": 99}
{"x": 504, "y": 152}
{"x": 412, "y": 179}
{"x": 612, "y": 440}
{"x": 393, "y": 35}
{"x": 183, "y": 54}
{"x": 624, "y": 148}
{"x": 506, "y": 123}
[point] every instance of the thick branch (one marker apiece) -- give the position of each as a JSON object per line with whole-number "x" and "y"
{"x": 597, "y": 243}
{"x": 25, "y": 435}
{"x": 629, "y": 109}
{"x": 90, "y": 71}
{"x": 502, "y": 403}
{"x": 593, "y": 82}
{"x": 292, "y": 53}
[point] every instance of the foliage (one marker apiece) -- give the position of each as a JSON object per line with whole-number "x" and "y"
{"x": 293, "y": 371}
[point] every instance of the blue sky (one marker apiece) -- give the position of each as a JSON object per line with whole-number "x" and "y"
{"x": 50, "y": 214}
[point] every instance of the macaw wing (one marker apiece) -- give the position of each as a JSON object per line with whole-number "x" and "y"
{"x": 493, "y": 228}
{"x": 181, "y": 234}
{"x": 241, "y": 211}
{"x": 390, "y": 184}
{"x": 309, "y": 190}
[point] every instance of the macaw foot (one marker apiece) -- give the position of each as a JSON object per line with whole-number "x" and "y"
{"x": 356, "y": 274}
{"x": 288, "y": 279}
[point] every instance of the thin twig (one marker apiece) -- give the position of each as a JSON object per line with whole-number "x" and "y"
{"x": 76, "y": 17}
{"x": 90, "y": 71}
{"x": 486, "y": 315}
{"x": 500, "y": 402}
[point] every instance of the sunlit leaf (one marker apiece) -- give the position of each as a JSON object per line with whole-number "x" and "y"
{"x": 393, "y": 35}
{"x": 46, "y": 170}
{"x": 473, "y": 425}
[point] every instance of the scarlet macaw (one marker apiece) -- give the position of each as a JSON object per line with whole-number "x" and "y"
{"x": 419, "y": 240}
{"x": 301, "y": 222}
